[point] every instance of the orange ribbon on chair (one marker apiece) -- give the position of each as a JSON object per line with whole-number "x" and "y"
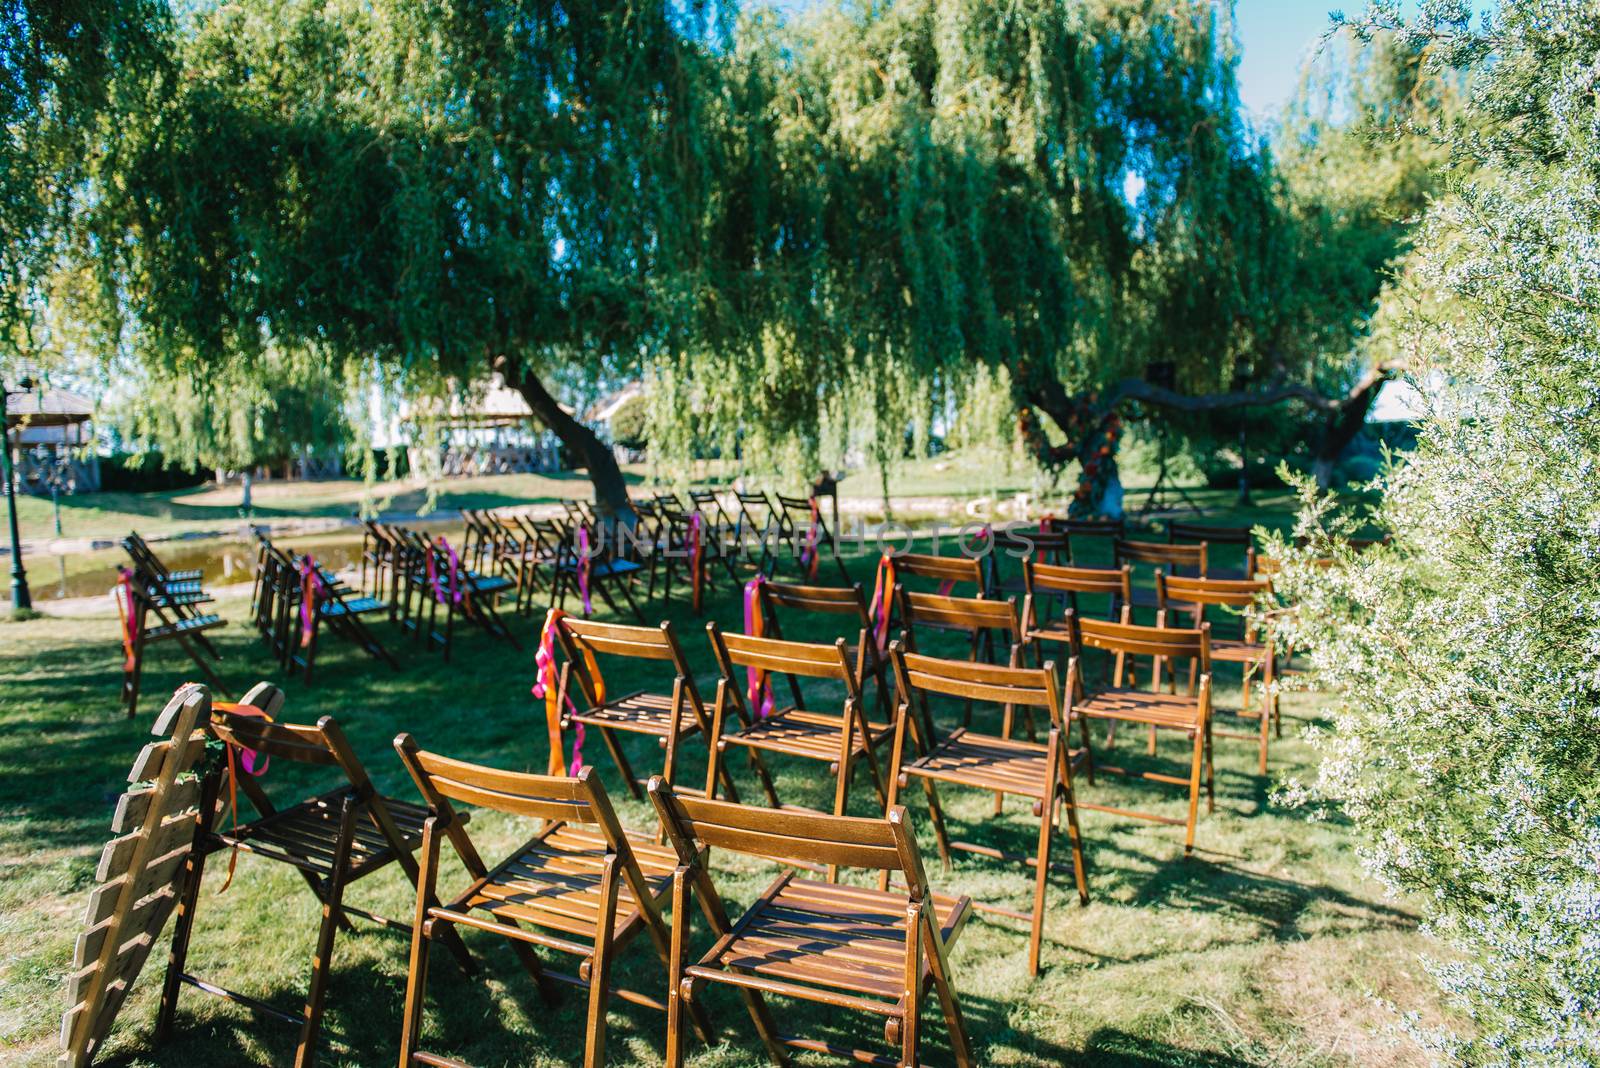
{"x": 696, "y": 559}
{"x": 247, "y": 759}
{"x": 882, "y": 591}
{"x": 545, "y": 685}
{"x": 760, "y": 686}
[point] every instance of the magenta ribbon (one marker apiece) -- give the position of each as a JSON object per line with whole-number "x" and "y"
{"x": 452, "y": 581}
{"x": 584, "y": 564}
{"x": 544, "y": 684}
{"x": 760, "y": 687}
{"x": 808, "y": 555}
{"x": 310, "y": 584}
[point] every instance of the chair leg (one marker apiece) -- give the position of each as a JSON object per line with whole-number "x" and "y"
{"x": 594, "y": 1055}
{"x": 677, "y": 954}
{"x": 1194, "y": 792}
{"x": 421, "y": 936}
{"x": 954, "y": 1024}
{"x": 609, "y": 736}
{"x": 910, "y": 1022}
{"x": 1047, "y": 820}
{"x": 178, "y": 955}
{"x": 322, "y": 964}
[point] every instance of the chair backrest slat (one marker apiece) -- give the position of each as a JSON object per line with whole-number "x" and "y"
{"x": 1162, "y": 554}
{"x": 1053, "y": 578}
{"x": 808, "y": 838}
{"x": 965, "y": 613}
{"x": 982, "y": 682}
{"x": 1137, "y": 640}
{"x": 940, "y": 568}
{"x": 551, "y": 797}
{"x": 1216, "y": 535}
{"x": 290, "y": 741}
{"x": 812, "y": 660}
{"x": 840, "y": 600}
{"x": 1237, "y": 593}
{"x": 620, "y": 639}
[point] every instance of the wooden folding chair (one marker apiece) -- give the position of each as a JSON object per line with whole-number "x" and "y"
{"x": 596, "y": 564}
{"x": 444, "y": 583}
{"x": 876, "y": 951}
{"x": 719, "y": 532}
{"x": 1022, "y": 544}
{"x": 179, "y": 607}
{"x": 672, "y": 553}
{"x": 870, "y": 661}
{"x": 1189, "y": 713}
{"x": 1159, "y": 556}
{"x": 1049, "y": 583}
{"x": 341, "y": 608}
{"x": 334, "y": 839}
{"x": 757, "y": 525}
{"x": 582, "y": 886}
{"x": 1239, "y": 537}
{"x": 840, "y": 740}
{"x": 669, "y": 718}
{"x": 996, "y": 764}
{"x": 802, "y": 528}
{"x": 1254, "y": 650}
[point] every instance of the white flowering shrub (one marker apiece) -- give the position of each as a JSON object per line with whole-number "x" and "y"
{"x": 1466, "y": 655}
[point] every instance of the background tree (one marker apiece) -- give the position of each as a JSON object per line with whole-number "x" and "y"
{"x": 1465, "y": 656}
{"x": 414, "y": 190}
{"x": 285, "y": 409}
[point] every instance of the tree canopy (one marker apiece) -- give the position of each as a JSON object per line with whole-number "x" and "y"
{"x": 1464, "y": 656}
{"x": 805, "y": 235}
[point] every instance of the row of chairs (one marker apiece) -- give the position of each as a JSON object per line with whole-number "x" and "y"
{"x": 294, "y": 599}
{"x": 156, "y": 604}
{"x": 431, "y": 586}
{"x": 585, "y": 886}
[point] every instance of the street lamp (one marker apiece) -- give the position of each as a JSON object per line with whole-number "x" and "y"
{"x": 20, "y": 599}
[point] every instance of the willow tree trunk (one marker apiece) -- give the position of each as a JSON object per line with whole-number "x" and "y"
{"x": 592, "y": 454}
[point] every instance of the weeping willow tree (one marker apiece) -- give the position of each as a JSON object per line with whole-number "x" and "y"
{"x": 1060, "y": 195}
{"x": 409, "y": 189}
{"x": 64, "y": 66}
{"x": 807, "y": 236}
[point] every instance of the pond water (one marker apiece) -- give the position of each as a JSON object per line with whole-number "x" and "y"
{"x": 222, "y": 560}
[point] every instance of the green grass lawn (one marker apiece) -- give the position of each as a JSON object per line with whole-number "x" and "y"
{"x": 1268, "y": 947}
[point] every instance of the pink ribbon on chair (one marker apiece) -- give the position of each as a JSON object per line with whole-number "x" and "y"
{"x": 128, "y": 609}
{"x": 585, "y": 564}
{"x": 452, "y": 582}
{"x": 760, "y": 686}
{"x": 310, "y": 584}
{"x": 1047, "y": 523}
{"x": 546, "y": 687}
{"x": 808, "y": 555}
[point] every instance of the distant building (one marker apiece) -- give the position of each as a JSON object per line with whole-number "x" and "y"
{"x": 49, "y": 433}
{"x": 491, "y": 431}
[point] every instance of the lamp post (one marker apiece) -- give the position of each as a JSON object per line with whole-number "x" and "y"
{"x": 20, "y": 599}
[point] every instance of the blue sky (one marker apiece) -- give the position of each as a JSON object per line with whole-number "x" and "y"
{"x": 1275, "y": 37}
